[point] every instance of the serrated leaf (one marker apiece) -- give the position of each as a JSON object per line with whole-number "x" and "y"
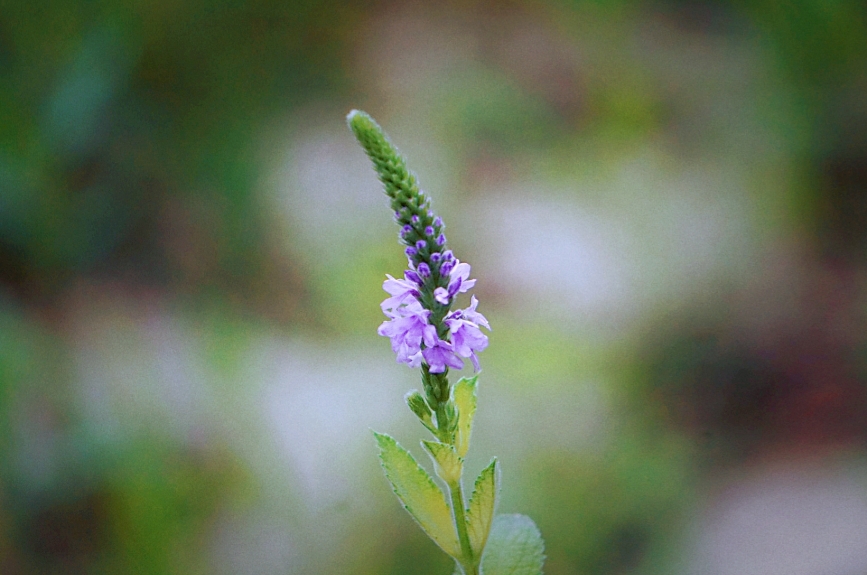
{"x": 448, "y": 465}
{"x": 464, "y": 394}
{"x": 421, "y": 497}
{"x": 515, "y": 547}
{"x": 481, "y": 511}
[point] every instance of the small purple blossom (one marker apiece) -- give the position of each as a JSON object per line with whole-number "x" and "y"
{"x": 466, "y": 337}
{"x": 435, "y": 257}
{"x": 405, "y": 230}
{"x": 423, "y": 270}
{"x": 407, "y": 327}
{"x": 458, "y": 273}
{"x": 410, "y": 251}
{"x": 440, "y": 355}
{"x": 420, "y": 245}
{"x": 441, "y": 240}
{"x": 472, "y": 315}
{"x": 414, "y": 219}
{"x": 438, "y": 222}
{"x": 401, "y": 291}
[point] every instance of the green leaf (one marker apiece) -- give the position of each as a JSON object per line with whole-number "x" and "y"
{"x": 481, "y": 511}
{"x": 421, "y": 497}
{"x": 515, "y": 547}
{"x": 448, "y": 465}
{"x": 464, "y": 395}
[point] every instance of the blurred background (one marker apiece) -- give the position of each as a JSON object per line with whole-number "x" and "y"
{"x": 664, "y": 203}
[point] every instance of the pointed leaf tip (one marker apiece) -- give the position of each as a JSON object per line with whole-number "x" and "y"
{"x": 421, "y": 497}
{"x": 464, "y": 394}
{"x": 482, "y": 504}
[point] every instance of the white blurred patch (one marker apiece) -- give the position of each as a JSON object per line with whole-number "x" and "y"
{"x": 320, "y": 404}
{"x": 568, "y": 256}
{"x": 601, "y": 253}
{"x": 795, "y": 521}
{"x": 328, "y": 192}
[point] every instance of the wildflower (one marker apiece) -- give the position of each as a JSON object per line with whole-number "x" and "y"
{"x": 401, "y": 291}
{"x": 466, "y": 337}
{"x": 406, "y": 328}
{"x": 439, "y": 355}
{"x": 424, "y": 331}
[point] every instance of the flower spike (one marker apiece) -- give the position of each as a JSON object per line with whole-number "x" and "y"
{"x": 423, "y": 329}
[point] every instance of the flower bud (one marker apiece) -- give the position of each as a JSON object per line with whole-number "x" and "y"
{"x": 419, "y": 407}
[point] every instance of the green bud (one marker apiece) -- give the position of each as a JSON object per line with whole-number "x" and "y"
{"x": 400, "y": 184}
{"x": 419, "y": 407}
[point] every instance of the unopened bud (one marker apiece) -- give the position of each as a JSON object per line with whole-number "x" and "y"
{"x": 419, "y": 406}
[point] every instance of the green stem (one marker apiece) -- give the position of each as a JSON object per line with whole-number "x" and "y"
{"x": 469, "y": 563}
{"x": 443, "y": 429}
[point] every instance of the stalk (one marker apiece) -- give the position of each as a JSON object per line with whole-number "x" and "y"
{"x": 469, "y": 563}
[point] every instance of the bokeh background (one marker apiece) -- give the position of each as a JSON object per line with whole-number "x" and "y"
{"x": 664, "y": 203}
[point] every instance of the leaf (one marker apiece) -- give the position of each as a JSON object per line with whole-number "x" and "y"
{"x": 448, "y": 465}
{"x": 515, "y": 547}
{"x": 464, "y": 394}
{"x": 421, "y": 497}
{"x": 481, "y": 511}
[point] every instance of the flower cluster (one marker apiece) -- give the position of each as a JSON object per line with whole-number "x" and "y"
{"x": 414, "y": 338}
{"x": 421, "y": 324}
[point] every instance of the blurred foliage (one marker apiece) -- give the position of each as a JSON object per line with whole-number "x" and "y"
{"x": 129, "y": 135}
{"x": 130, "y": 155}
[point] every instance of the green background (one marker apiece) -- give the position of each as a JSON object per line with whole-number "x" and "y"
{"x": 664, "y": 205}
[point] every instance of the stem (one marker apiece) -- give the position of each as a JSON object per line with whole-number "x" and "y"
{"x": 442, "y": 430}
{"x": 469, "y": 563}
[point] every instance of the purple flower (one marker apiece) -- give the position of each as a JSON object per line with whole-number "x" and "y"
{"x": 407, "y": 328}
{"x": 472, "y": 315}
{"x": 402, "y": 291}
{"x": 466, "y": 337}
{"x": 459, "y": 281}
{"x": 442, "y": 295}
{"x": 440, "y": 354}
{"x": 414, "y": 339}
{"x": 458, "y": 278}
